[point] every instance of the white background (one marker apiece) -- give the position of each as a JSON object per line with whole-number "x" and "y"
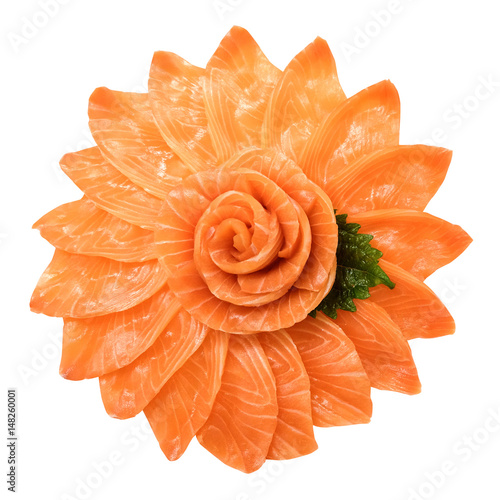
{"x": 437, "y": 53}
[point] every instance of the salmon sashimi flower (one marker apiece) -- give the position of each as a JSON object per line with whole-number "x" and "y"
{"x": 223, "y": 270}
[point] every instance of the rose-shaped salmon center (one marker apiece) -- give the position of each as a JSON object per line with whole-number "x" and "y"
{"x": 249, "y": 246}
{"x": 242, "y": 240}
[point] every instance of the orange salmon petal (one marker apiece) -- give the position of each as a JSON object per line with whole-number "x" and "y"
{"x": 294, "y": 434}
{"x": 81, "y": 227}
{"x": 382, "y": 348}
{"x": 99, "y": 345}
{"x": 241, "y": 425}
{"x": 340, "y": 388}
{"x": 184, "y": 403}
{"x": 239, "y": 80}
{"x": 416, "y": 241}
{"x": 412, "y": 305}
{"x": 365, "y": 122}
{"x": 176, "y": 98}
{"x": 241, "y": 319}
{"x": 396, "y": 177}
{"x": 308, "y": 90}
{"x": 80, "y": 286}
{"x": 127, "y": 391}
{"x": 109, "y": 189}
{"x": 124, "y": 128}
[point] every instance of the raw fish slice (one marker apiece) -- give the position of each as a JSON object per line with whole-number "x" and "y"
{"x": 184, "y": 403}
{"x": 396, "y": 177}
{"x": 80, "y": 286}
{"x": 240, "y": 427}
{"x": 123, "y": 127}
{"x": 364, "y": 123}
{"x": 182, "y": 216}
{"x": 81, "y": 227}
{"x": 176, "y": 98}
{"x": 109, "y": 189}
{"x": 412, "y": 305}
{"x": 416, "y": 241}
{"x": 127, "y": 391}
{"x": 99, "y": 345}
{"x": 239, "y": 80}
{"x": 382, "y": 348}
{"x": 232, "y": 318}
{"x": 254, "y": 286}
{"x": 294, "y": 435}
{"x": 340, "y": 388}
{"x": 307, "y": 91}
{"x": 318, "y": 208}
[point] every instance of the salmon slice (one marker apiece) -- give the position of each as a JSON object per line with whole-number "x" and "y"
{"x": 307, "y": 91}
{"x": 233, "y": 318}
{"x": 241, "y": 425}
{"x": 102, "y": 344}
{"x": 184, "y": 403}
{"x": 109, "y": 189}
{"x": 124, "y": 128}
{"x": 127, "y": 391}
{"x": 252, "y": 285}
{"x": 212, "y": 295}
{"x": 176, "y": 98}
{"x": 294, "y": 434}
{"x": 319, "y": 210}
{"x": 395, "y": 177}
{"x": 239, "y": 80}
{"x": 285, "y": 311}
{"x": 255, "y": 286}
{"x": 382, "y": 348}
{"x": 80, "y": 286}
{"x": 81, "y": 227}
{"x": 412, "y": 305}
{"x": 364, "y": 123}
{"x": 340, "y": 388}
{"x": 416, "y": 241}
